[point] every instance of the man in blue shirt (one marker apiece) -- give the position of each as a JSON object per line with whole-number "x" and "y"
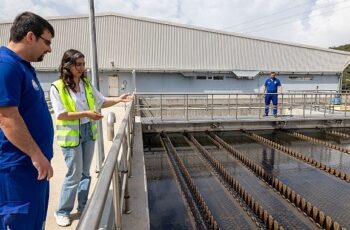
{"x": 26, "y": 128}
{"x": 272, "y": 87}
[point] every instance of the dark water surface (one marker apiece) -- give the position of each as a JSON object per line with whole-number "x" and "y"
{"x": 168, "y": 209}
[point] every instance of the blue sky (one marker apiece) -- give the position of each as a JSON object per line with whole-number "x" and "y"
{"x": 321, "y": 23}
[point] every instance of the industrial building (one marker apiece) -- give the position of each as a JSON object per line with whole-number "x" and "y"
{"x": 240, "y": 170}
{"x": 174, "y": 58}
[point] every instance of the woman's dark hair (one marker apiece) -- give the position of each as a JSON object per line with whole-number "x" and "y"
{"x": 26, "y": 22}
{"x": 68, "y": 60}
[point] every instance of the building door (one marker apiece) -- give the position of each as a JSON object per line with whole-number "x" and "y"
{"x": 113, "y": 89}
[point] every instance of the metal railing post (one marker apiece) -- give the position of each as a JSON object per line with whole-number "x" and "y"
{"x": 330, "y": 103}
{"x": 110, "y": 126}
{"x": 161, "y": 107}
{"x": 229, "y": 105}
{"x": 128, "y": 138}
{"x": 250, "y": 103}
{"x": 346, "y": 103}
{"x": 131, "y": 122}
{"x": 282, "y": 105}
{"x": 138, "y": 112}
{"x": 304, "y": 106}
{"x": 127, "y": 159}
{"x": 236, "y": 106}
{"x": 207, "y": 102}
{"x": 291, "y": 105}
{"x": 307, "y": 101}
{"x": 150, "y": 103}
{"x": 325, "y": 106}
{"x": 260, "y": 103}
{"x": 116, "y": 199}
{"x": 212, "y": 106}
{"x": 186, "y": 107}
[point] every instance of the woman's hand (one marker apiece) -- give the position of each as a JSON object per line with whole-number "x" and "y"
{"x": 93, "y": 115}
{"x": 125, "y": 98}
{"x": 122, "y": 98}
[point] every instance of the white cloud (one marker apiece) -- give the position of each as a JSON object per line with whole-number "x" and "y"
{"x": 329, "y": 26}
{"x": 325, "y": 25}
{"x": 9, "y": 10}
{"x": 157, "y": 9}
{"x": 313, "y": 22}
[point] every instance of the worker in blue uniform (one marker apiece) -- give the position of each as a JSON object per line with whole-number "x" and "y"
{"x": 26, "y": 128}
{"x": 271, "y": 89}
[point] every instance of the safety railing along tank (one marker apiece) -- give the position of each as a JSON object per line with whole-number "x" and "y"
{"x": 116, "y": 168}
{"x": 197, "y": 106}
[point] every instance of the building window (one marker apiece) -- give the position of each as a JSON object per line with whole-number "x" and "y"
{"x": 301, "y": 77}
{"x": 218, "y": 77}
{"x": 201, "y": 77}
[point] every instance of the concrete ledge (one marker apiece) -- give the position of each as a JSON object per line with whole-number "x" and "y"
{"x": 138, "y": 219}
{"x": 285, "y": 122}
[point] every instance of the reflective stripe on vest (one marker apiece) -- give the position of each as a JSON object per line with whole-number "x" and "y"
{"x": 68, "y": 130}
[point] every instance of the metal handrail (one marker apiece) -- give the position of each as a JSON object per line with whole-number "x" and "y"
{"x": 119, "y": 153}
{"x": 218, "y": 106}
{"x": 288, "y": 92}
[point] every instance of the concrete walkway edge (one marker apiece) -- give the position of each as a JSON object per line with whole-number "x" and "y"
{"x": 138, "y": 219}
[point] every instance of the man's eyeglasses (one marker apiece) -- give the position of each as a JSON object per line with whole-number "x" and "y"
{"x": 47, "y": 42}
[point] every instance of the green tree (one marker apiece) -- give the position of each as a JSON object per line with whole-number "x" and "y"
{"x": 346, "y": 73}
{"x": 342, "y": 47}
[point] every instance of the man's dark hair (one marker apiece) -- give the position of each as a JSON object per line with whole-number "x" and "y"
{"x": 26, "y": 22}
{"x": 273, "y": 72}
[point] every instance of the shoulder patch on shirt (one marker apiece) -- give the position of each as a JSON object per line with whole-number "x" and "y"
{"x": 35, "y": 86}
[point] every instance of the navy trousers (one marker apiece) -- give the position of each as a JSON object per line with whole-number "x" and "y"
{"x": 23, "y": 198}
{"x": 268, "y": 99}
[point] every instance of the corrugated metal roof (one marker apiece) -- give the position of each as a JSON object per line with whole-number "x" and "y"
{"x": 127, "y": 42}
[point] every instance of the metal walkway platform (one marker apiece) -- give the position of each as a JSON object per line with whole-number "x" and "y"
{"x": 248, "y": 123}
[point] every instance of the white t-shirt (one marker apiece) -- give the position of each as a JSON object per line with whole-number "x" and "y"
{"x": 79, "y": 99}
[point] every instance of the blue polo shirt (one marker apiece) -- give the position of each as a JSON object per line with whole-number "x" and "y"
{"x": 272, "y": 85}
{"x": 20, "y": 87}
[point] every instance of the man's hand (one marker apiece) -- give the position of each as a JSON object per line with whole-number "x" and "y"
{"x": 43, "y": 166}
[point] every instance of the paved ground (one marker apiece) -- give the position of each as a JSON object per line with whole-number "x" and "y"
{"x": 60, "y": 169}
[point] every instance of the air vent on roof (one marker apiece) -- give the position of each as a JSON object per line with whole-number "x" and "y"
{"x": 245, "y": 74}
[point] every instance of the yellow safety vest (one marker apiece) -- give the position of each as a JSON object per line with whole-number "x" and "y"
{"x": 68, "y": 130}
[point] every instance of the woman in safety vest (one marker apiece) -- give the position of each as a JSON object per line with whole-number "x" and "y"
{"x": 74, "y": 101}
